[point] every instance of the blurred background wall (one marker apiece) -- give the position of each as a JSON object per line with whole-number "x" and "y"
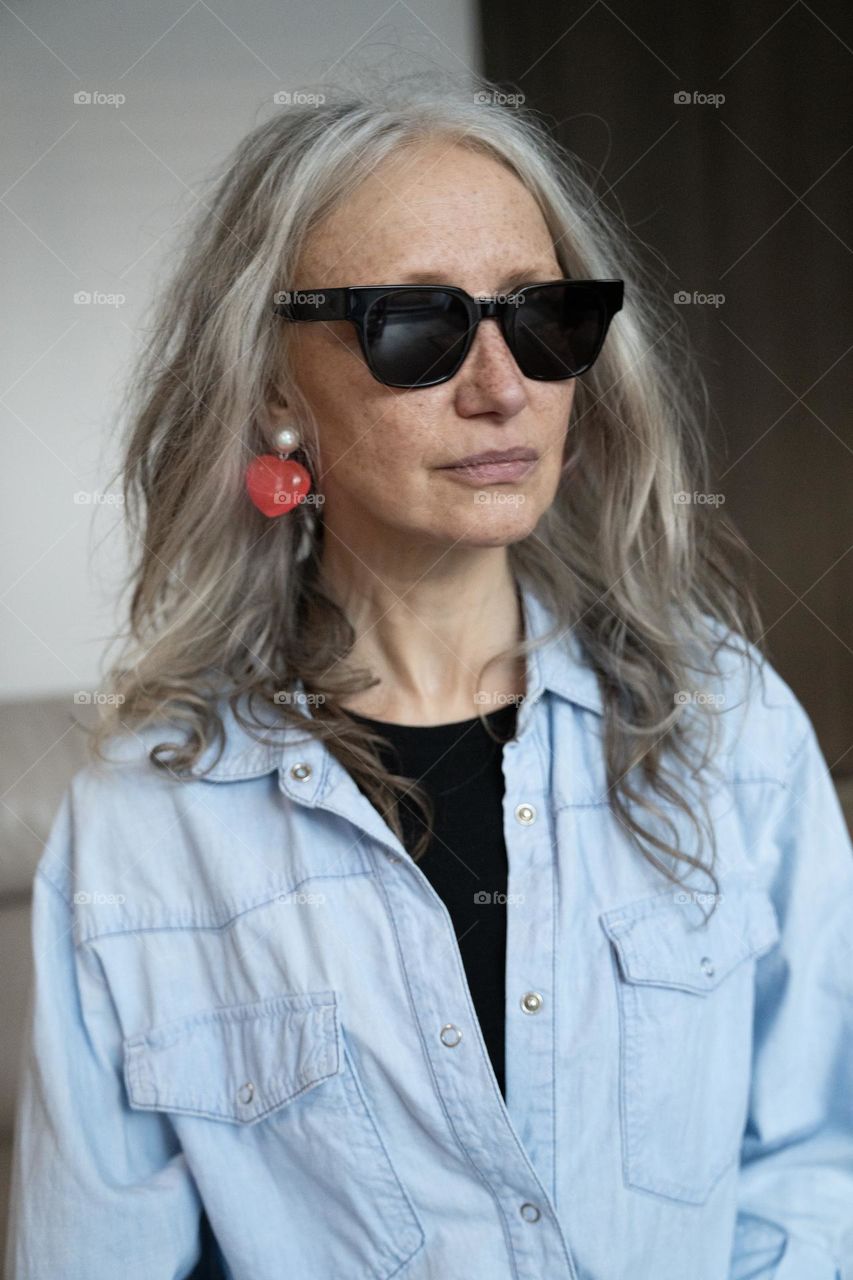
{"x": 723, "y": 134}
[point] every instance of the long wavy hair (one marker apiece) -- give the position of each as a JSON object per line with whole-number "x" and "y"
{"x": 226, "y": 603}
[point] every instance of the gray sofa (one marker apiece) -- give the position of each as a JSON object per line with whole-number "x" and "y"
{"x": 41, "y": 747}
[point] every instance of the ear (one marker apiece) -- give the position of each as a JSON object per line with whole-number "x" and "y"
{"x": 277, "y": 410}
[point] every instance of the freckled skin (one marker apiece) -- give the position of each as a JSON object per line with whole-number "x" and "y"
{"x": 463, "y": 216}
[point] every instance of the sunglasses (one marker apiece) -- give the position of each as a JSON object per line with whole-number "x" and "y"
{"x": 419, "y": 335}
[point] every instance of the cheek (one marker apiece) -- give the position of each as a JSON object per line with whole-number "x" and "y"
{"x": 367, "y": 445}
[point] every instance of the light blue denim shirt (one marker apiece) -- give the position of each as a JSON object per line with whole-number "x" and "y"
{"x": 250, "y": 1001}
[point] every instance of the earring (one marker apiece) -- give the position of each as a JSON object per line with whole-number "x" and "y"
{"x": 276, "y": 484}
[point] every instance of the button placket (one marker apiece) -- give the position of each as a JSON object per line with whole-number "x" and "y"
{"x": 529, "y": 933}
{"x": 514, "y": 1171}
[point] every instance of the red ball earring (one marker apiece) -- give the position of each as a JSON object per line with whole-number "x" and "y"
{"x": 275, "y": 483}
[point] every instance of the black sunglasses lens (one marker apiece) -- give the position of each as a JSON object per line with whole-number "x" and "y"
{"x": 416, "y": 337}
{"x": 557, "y": 330}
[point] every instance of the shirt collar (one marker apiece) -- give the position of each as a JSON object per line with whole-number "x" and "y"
{"x": 557, "y": 667}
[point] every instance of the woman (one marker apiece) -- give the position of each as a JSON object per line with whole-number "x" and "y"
{"x": 460, "y": 893}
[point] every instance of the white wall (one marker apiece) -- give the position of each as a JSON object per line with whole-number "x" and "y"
{"x": 91, "y": 194}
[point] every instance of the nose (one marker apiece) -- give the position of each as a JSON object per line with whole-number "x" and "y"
{"x": 490, "y": 376}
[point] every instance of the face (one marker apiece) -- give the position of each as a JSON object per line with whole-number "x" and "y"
{"x": 450, "y": 216}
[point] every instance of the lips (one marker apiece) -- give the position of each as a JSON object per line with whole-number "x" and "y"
{"x": 519, "y": 454}
{"x": 480, "y": 473}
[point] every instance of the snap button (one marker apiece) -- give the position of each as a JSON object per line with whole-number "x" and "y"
{"x": 246, "y": 1092}
{"x": 525, "y": 813}
{"x": 707, "y": 966}
{"x": 530, "y": 1212}
{"x": 450, "y": 1036}
{"x": 531, "y": 1002}
{"x": 300, "y": 772}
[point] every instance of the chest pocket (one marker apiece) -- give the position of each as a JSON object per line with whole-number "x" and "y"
{"x": 686, "y": 1000}
{"x": 270, "y": 1115}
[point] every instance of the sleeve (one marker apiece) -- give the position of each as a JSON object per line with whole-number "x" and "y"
{"x": 97, "y": 1190}
{"x": 795, "y": 1190}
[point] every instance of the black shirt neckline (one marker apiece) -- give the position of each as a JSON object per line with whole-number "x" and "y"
{"x": 493, "y": 717}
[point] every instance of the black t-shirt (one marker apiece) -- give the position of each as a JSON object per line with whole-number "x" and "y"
{"x": 459, "y": 765}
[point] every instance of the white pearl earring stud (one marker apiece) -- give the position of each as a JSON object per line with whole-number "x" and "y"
{"x": 285, "y": 440}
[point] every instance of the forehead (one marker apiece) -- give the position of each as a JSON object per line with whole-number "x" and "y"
{"x": 435, "y": 205}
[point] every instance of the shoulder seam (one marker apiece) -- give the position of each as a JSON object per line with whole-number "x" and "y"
{"x": 43, "y": 875}
{"x": 808, "y": 736}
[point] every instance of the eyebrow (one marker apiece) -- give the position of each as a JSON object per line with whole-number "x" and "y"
{"x": 527, "y": 275}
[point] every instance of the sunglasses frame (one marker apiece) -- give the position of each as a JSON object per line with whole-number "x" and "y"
{"x": 353, "y": 303}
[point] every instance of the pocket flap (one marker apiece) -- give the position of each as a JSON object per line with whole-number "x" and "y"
{"x": 662, "y": 941}
{"x": 235, "y": 1062}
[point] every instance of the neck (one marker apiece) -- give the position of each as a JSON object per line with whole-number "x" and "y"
{"x": 427, "y": 638}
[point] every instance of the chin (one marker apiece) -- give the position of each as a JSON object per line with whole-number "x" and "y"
{"x": 499, "y": 530}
